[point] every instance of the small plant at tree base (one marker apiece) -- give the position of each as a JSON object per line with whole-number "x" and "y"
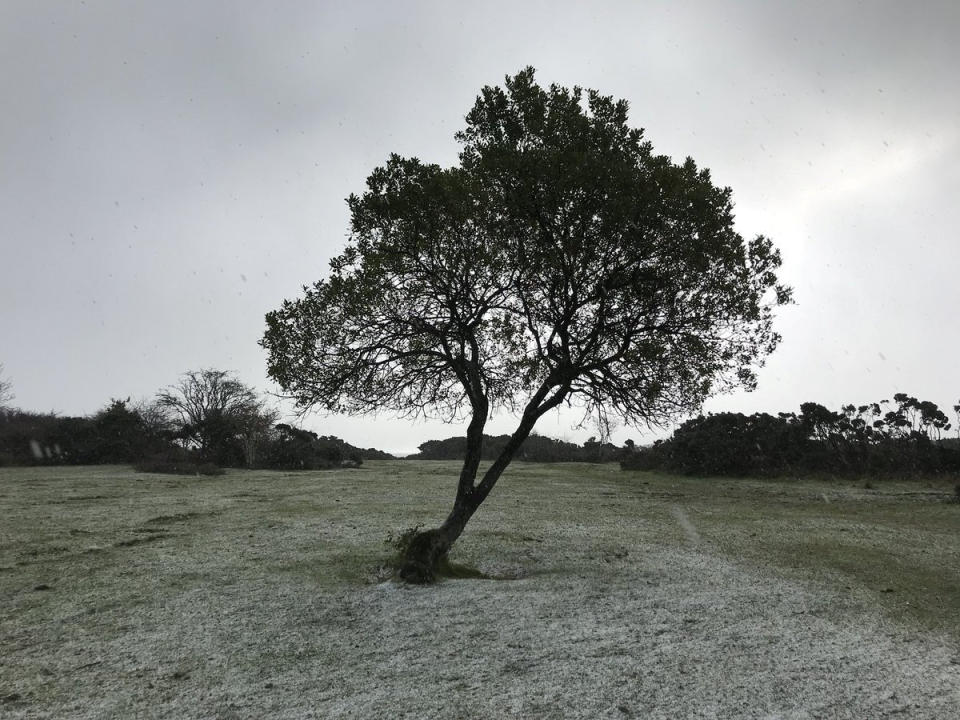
{"x": 404, "y": 546}
{"x": 401, "y": 542}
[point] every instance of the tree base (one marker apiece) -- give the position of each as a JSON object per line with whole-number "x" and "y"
{"x": 424, "y": 557}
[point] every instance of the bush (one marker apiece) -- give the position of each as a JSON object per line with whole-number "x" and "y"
{"x": 177, "y": 461}
{"x": 536, "y": 448}
{"x": 730, "y": 444}
{"x": 116, "y": 434}
{"x": 292, "y": 448}
{"x": 209, "y": 468}
{"x": 858, "y": 440}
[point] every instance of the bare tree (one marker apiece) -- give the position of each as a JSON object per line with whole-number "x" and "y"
{"x": 255, "y": 430}
{"x": 6, "y": 390}
{"x": 156, "y": 418}
{"x": 214, "y": 410}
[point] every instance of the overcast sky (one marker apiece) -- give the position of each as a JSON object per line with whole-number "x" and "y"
{"x": 171, "y": 171}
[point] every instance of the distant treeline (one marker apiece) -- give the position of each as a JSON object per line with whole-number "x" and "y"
{"x": 902, "y": 437}
{"x": 535, "y": 448}
{"x": 207, "y": 421}
{"x": 119, "y": 435}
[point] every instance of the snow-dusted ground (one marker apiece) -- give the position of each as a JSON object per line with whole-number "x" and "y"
{"x": 245, "y": 610}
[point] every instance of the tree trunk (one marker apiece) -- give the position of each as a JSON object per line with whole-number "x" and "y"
{"x": 427, "y": 553}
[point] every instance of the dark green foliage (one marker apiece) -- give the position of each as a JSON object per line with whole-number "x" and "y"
{"x": 123, "y": 436}
{"x": 536, "y": 448}
{"x": 369, "y": 453}
{"x": 858, "y": 440}
{"x": 561, "y": 260}
{"x": 119, "y": 433}
{"x": 292, "y": 448}
{"x": 177, "y": 461}
{"x": 425, "y": 549}
{"x": 115, "y": 434}
{"x": 401, "y": 542}
{"x": 731, "y": 444}
{"x": 45, "y": 439}
{"x": 28, "y": 438}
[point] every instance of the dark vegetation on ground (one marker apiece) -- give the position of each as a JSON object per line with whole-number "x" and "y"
{"x": 898, "y": 438}
{"x": 536, "y": 448}
{"x": 176, "y": 461}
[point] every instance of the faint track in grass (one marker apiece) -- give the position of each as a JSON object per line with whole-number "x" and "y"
{"x": 683, "y": 520}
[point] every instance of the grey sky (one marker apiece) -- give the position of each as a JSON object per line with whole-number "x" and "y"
{"x": 169, "y": 172}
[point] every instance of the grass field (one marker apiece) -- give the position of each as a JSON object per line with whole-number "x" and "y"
{"x": 611, "y": 594}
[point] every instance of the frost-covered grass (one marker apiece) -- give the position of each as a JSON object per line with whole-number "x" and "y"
{"x": 257, "y": 594}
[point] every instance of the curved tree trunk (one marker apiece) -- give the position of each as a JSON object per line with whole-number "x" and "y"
{"x": 427, "y": 552}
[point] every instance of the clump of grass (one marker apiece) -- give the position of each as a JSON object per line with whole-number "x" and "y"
{"x": 401, "y": 542}
{"x": 445, "y": 567}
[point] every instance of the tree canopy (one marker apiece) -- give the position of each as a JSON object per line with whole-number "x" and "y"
{"x": 561, "y": 261}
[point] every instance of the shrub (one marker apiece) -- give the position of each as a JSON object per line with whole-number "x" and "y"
{"x": 177, "y": 461}
{"x": 116, "y": 434}
{"x": 855, "y": 442}
{"x": 727, "y": 444}
{"x": 208, "y": 468}
{"x": 292, "y": 448}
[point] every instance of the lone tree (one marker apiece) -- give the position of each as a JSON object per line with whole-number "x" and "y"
{"x": 561, "y": 261}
